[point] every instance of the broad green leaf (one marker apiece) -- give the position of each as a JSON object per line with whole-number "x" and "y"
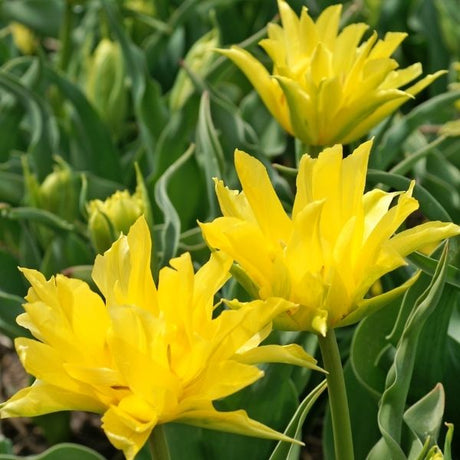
{"x": 96, "y": 151}
{"x": 390, "y": 148}
{"x": 43, "y": 16}
{"x": 392, "y": 403}
{"x": 62, "y": 451}
{"x": 428, "y": 265}
{"x": 284, "y": 450}
{"x": 424, "y": 418}
{"x": 431, "y": 208}
{"x": 367, "y": 348}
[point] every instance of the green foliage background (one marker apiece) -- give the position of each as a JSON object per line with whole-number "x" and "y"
{"x": 72, "y": 129}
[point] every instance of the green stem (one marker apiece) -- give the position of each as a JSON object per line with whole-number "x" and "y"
{"x": 338, "y": 403}
{"x": 158, "y": 444}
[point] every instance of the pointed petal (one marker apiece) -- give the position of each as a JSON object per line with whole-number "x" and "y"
{"x": 44, "y": 398}
{"x": 126, "y": 432}
{"x": 267, "y": 208}
{"x": 259, "y": 77}
{"x": 287, "y": 354}
{"x": 233, "y": 422}
{"x": 368, "y": 306}
{"x": 422, "y": 235}
{"x": 123, "y": 273}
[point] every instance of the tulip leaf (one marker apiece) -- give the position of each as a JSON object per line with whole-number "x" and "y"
{"x": 170, "y": 231}
{"x": 43, "y": 137}
{"x": 392, "y": 403}
{"x": 390, "y": 148}
{"x": 369, "y": 339}
{"x": 208, "y": 151}
{"x": 96, "y": 151}
{"x": 43, "y": 16}
{"x": 428, "y": 265}
{"x": 150, "y": 110}
{"x": 424, "y": 418}
{"x": 68, "y": 451}
{"x": 10, "y": 308}
{"x": 37, "y": 215}
{"x": 285, "y": 450}
{"x": 430, "y": 206}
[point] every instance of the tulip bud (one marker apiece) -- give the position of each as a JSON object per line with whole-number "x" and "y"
{"x": 198, "y": 60}
{"x": 24, "y": 38}
{"x": 58, "y": 193}
{"x": 105, "y": 85}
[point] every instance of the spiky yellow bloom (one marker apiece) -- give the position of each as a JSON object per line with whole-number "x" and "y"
{"x": 326, "y": 87}
{"x": 143, "y": 356}
{"x": 338, "y": 242}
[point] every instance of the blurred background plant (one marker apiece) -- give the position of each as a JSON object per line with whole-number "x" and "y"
{"x": 126, "y": 100}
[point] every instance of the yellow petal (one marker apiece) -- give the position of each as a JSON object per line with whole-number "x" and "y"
{"x": 211, "y": 385}
{"x": 422, "y": 235}
{"x": 368, "y": 306}
{"x": 288, "y": 354}
{"x": 233, "y": 203}
{"x": 126, "y": 432}
{"x": 123, "y": 273}
{"x": 44, "y": 398}
{"x": 259, "y": 77}
{"x": 234, "y": 422}
{"x": 327, "y": 25}
{"x": 267, "y": 208}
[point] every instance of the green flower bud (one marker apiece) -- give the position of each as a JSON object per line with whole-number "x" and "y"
{"x": 23, "y": 38}
{"x": 105, "y": 85}
{"x": 107, "y": 219}
{"x": 197, "y": 61}
{"x": 59, "y": 192}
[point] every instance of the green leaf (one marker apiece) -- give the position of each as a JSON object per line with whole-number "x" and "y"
{"x": 150, "y": 110}
{"x": 424, "y": 418}
{"x": 67, "y": 451}
{"x": 41, "y": 216}
{"x": 96, "y": 152}
{"x": 448, "y": 442}
{"x": 390, "y": 148}
{"x": 209, "y": 151}
{"x": 431, "y": 207}
{"x": 392, "y": 403}
{"x": 287, "y": 451}
{"x": 170, "y": 231}
{"x": 428, "y": 265}
{"x": 43, "y": 16}
{"x": 367, "y": 348}
{"x": 44, "y": 136}
{"x": 10, "y": 308}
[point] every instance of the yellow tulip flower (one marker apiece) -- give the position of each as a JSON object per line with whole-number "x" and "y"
{"x": 337, "y": 243}
{"x": 143, "y": 356}
{"x": 327, "y": 87}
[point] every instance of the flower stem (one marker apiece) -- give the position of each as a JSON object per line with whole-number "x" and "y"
{"x": 338, "y": 403}
{"x": 158, "y": 444}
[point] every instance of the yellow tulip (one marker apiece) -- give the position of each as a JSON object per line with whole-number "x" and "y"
{"x": 328, "y": 254}
{"x": 327, "y": 87}
{"x": 143, "y": 356}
